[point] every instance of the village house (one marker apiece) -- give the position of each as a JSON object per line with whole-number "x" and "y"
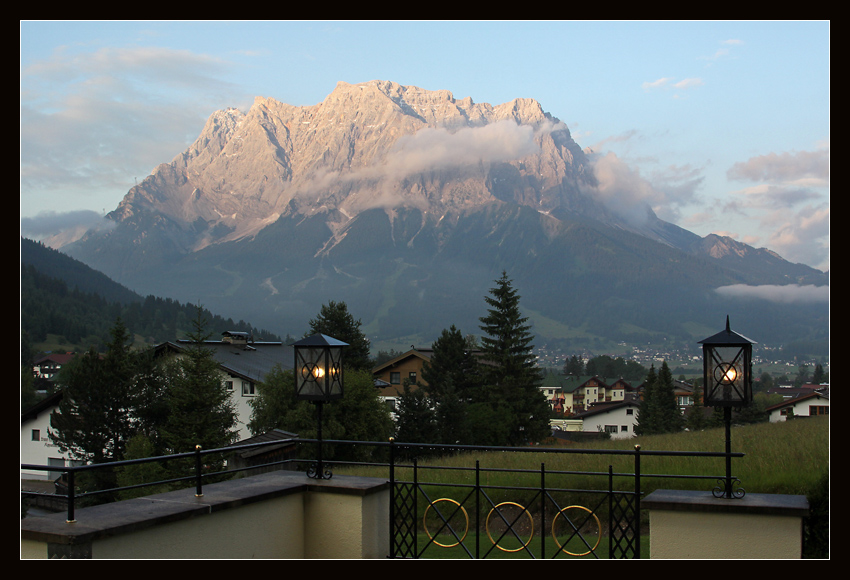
{"x": 48, "y": 366}
{"x": 812, "y": 403}
{"x": 243, "y": 364}
{"x": 617, "y": 419}
{"x": 577, "y": 394}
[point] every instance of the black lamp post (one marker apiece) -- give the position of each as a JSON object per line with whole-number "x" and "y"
{"x": 728, "y": 383}
{"x": 318, "y": 378}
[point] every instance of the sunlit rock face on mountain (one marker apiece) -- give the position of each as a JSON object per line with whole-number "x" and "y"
{"x": 407, "y": 203}
{"x": 370, "y": 145}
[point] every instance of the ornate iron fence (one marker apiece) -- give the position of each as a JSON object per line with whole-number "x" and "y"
{"x": 468, "y": 515}
{"x": 468, "y": 518}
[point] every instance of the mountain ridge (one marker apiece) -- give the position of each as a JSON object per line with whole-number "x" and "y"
{"x": 382, "y": 193}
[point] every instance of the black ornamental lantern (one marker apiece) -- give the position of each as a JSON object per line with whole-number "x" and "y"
{"x": 318, "y": 368}
{"x": 318, "y": 378}
{"x": 728, "y": 383}
{"x": 727, "y": 369}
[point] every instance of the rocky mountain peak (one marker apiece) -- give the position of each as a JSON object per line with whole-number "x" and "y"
{"x": 367, "y": 145}
{"x": 407, "y": 203}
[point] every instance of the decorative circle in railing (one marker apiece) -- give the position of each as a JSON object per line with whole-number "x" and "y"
{"x": 425, "y": 522}
{"x": 561, "y": 514}
{"x": 530, "y": 520}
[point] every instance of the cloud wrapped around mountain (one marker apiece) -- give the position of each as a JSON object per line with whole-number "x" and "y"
{"x": 788, "y": 294}
{"x": 436, "y": 148}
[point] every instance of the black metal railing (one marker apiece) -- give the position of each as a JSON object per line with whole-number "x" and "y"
{"x": 69, "y": 477}
{"x": 471, "y": 519}
{"x": 472, "y": 514}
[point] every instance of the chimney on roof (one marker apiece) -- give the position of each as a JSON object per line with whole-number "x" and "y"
{"x": 234, "y": 337}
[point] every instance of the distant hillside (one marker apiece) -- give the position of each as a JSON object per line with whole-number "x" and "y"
{"x": 62, "y": 296}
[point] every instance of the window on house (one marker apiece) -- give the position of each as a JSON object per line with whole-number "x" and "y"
{"x": 247, "y": 389}
{"x": 229, "y": 385}
{"x": 36, "y": 435}
{"x": 395, "y": 378}
{"x": 630, "y": 411}
{"x": 610, "y": 428}
{"x": 624, "y": 428}
{"x": 818, "y": 410}
{"x": 412, "y": 376}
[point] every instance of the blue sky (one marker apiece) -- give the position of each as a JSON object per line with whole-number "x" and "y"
{"x": 721, "y": 126}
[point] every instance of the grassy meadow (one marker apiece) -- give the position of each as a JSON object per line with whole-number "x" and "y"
{"x": 779, "y": 458}
{"x": 782, "y": 458}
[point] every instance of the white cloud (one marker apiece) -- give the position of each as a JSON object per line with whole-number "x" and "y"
{"x": 656, "y": 84}
{"x": 91, "y": 122}
{"x": 669, "y": 82}
{"x": 789, "y": 202}
{"x": 789, "y": 294}
{"x": 784, "y": 167}
{"x": 689, "y": 83}
{"x": 627, "y": 193}
{"x": 58, "y": 228}
{"x": 430, "y": 149}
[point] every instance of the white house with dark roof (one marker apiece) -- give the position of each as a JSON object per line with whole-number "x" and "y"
{"x": 243, "y": 364}
{"x": 811, "y": 404}
{"x": 618, "y": 419}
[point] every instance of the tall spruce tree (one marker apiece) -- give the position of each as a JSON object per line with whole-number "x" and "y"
{"x": 659, "y": 411}
{"x": 647, "y": 421}
{"x": 671, "y": 419}
{"x": 201, "y": 409}
{"x": 336, "y": 321}
{"x": 510, "y": 368}
{"x": 453, "y": 384}
{"x": 415, "y": 418}
{"x": 696, "y": 419}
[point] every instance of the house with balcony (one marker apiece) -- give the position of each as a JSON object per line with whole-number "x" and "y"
{"x": 579, "y": 393}
{"x": 48, "y": 366}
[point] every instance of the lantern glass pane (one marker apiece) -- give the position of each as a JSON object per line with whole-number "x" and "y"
{"x": 318, "y": 372}
{"x": 726, "y": 375}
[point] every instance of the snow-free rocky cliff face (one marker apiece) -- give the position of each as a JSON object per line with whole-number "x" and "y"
{"x": 376, "y": 144}
{"x": 406, "y": 204}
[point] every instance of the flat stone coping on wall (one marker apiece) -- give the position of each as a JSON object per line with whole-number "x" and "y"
{"x": 751, "y": 503}
{"x": 131, "y": 515}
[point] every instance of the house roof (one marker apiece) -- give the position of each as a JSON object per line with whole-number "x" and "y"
{"x": 795, "y": 391}
{"x": 45, "y": 404}
{"x": 793, "y": 401}
{"x": 678, "y": 386}
{"x": 422, "y": 353}
{"x": 248, "y": 361}
{"x": 57, "y": 357}
{"x": 573, "y": 383}
{"x": 285, "y": 438}
{"x": 599, "y": 408}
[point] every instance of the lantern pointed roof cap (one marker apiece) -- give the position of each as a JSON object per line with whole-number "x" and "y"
{"x": 727, "y": 336}
{"x": 320, "y": 340}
